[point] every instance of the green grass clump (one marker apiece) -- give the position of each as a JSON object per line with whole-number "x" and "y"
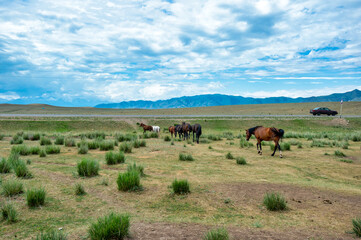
{"x": 136, "y": 144}
{"x": 69, "y": 142}
{"x": 241, "y": 161}
{"x": 93, "y": 144}
{"x": 59, "y": 140}
{"x": 129, "y": 181}
{"x": 229, "y": 156}
{"x": 106, "y": 145}
{"x": 31, "y": 136}
{"x": 17, "y": 139}
{"x": 135, "y": 167}
{"x": 14, "y": 159}
{"x": 338, "y": 153}
{"x": 185, "y": 157}
{"x": 52, "y": 149}
{"x": 5, "y": 166}
{"x": 83, "y": 148}
{"x": 12, "y": 187}
{"x": 180, "y": 186}
{"x": 126, "y": 147}
{"x": 143, "y": 143}
{"x": 284, "y": 146}
{"x": 167, "y": 139}
{"x": 112, "y": 226}
{"x": 35, "y": 197}
{"x": 114, "y": 158}
{"x": 21, "y": 170}
{"x": 79, "y": 189}
{"x": 52, "y": 235}
{"x": 1, "y": 136}
{"x": 274, "y": 202}
{"x": 356, "y": 226}
{"x": 42, "y": 153}
{"x": 214, "y": 137}
{"x": 244, "y": 143}
{"x": 9, "y": 213}
{"x": 88, "y": 167}
{"x": 95, "y": 135}
{"x": 346, "y": 160}
{"x": 216, "y": 234}
{"x": 45, "y": 141}
{"x": 154, "y": 135}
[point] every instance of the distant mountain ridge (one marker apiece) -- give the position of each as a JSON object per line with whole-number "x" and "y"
{"x": 221, "y": 100}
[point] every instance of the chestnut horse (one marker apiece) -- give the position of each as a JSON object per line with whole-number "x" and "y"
{"x": 266, "y": 134}
{"x": 197, "y": 129}
{"x": 186, "y": 129}
{"x": 146, "y": 127}
{"x": 172, "y": 131}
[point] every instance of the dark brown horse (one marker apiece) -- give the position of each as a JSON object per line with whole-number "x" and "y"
{"x": 172, "y": 131}
{"x": 186, "y": 128}
{"x": 197, "y": 129}
{"x": 266, "y": 134}
{"x": 146, "y": 127}
{"x": 179, "y": 130}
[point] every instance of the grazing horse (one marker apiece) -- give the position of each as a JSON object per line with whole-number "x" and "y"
{"x": 179, "y": 130}
{"x": 156, "y": 129}
{"x": 198, "y": 130}
{"x": 186, "y": 128}
{"x": 172, "y": 131}
{"x": 146, "y": 127}
{"x": 266, "y": 134}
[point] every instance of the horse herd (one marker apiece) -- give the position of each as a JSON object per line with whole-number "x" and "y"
{"x": 261, "y": 133}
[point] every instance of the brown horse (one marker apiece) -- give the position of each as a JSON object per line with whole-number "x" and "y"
{"x": 172, "y": 131}
{"x": 187, "y": 129}
{"x": 266, "y": 134}
{"x": 197, "y": 129}
{"x": 146, "y": 127}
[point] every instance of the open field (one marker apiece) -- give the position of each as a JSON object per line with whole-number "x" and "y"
{"x": 349, "y": 108}
{"x": 322, "y": 190}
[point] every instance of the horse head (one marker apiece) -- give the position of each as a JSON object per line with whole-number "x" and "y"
{"x": 142, "y": 124}
{"x": 248, "y": 134}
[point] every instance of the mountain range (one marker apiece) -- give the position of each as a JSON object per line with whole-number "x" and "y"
{"x": 221, "y": 100}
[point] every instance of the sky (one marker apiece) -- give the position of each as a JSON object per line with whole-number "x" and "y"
{"x": 82, "y": 53}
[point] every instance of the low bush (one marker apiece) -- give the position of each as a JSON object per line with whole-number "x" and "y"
{"x": 135, "y": 167}
{"x": 83, "y": 148}
{"x": 35, "y": 197}
{"x": 12, "y": 187}
{"x": 143, "y": 143}
{"x": 167, "y": 139}
{"x": 180, "y": 186}
{"x": 244, "y": 143}
{"x": 88, "y": 167}
{"x": 136, "y": 144}
{"x": 284, "y": 146}
{"x": 59, "y": 140}
{"x": 42, "y": 153}
{"x": 69, "y": 142}
{"x": 274, "y": 202}
{"x": 93, "y": 144}
{"x": 5, "y": 166}
{"x": 129, "y": 181}
{"x": 9, "y": 213}
{"x": 14, "y": 159}
{"x": 79, "y": 189}
{"x": 45, "y": 141}
{"x": 114, "y": 158}
{"x": 17, "y": 139}
{"x": 1, "y": 136}
{"x": 356, "y": 223}
{"x": 241, "y": 161}
{"x": 112, "y": 226}
{"x": 126, "y": 137}
{"x": 106, "y": 145}
{"x": 216, "y": 234}
{"x": 21, "y": 170}
{"x": 229, "y": 156}
{"x": 338, "y": 153}
{"x": 346, "y": 160}
{"x": 185, "y": 157}
{"x": 52, "y": 235}
{"x": 52, "y": 149}
{"x": 126, "y": 147}
{"x": 214, "y": 137}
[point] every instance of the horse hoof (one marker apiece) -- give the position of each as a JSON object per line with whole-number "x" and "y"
{"x": 281, "y": 156}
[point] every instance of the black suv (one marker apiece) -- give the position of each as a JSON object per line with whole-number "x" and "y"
{"x": 323, "y": 110}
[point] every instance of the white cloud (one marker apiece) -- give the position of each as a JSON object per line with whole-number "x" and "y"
{"x": 8, "y": 96}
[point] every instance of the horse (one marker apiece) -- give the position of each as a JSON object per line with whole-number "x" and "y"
{"x": 179, "y": 130}
{"x": 172, "y": 131}
{"x": 197, "y": 128}
{"x": 156, "y": 129}
{"x": 186, "y": 128}
{"x": 266, "y": 134}
{"x": 146, "y": 127}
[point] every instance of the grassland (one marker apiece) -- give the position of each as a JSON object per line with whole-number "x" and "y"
{"x": 322, "y": 190}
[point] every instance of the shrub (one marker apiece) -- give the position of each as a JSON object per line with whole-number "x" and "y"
{"x": 154, "y": 135}
{"x": 214, "y": 137}
{"x": 9, "y": 213}
{"x": 241, "y": 161}
{"x": 21, "y": 149}
{"x": 167, "y": 139}
{"x": 357, "y": 226}
{"x": 13, "y": 159}
{"x": 346, "y": 160}
{"x": 106, "y": 145}
{"x": 69, "y": 142}
{"x": 114, "y": 158}
{"x": 93, "y": 144}
{"x": 143, "y": 143}
{"x": 35, "y": 197}
{"x": 45, "y": 141}
{"x": 185, "y": 157}
{"x": 83, "y": 148}
{"x": 274, "y": 202}
{"x": 180, "y": 186}
{"x": 35, "y": 150}
{"x": 229, "y": 156}
{"x": 216, "y": 234}
{"x": 5, "y": 166}
{"x": 52, "y": 149}
{"x": 21, "y": 170}
{"x": 28, "y": 161}
{"x": 127, "y": 137}
{"x": 52, "y": 235}
{"x": 129, "y": 181}
{"x": 95, "y": 135}
{"x": 135, "y": 167}
{"x": 112, "y": 226}
{"x": 59, "y": 140}
{"x": 88, "y": 168}
{"x": 244, "y": 143}
{"x": 339, "y": 154}
{"x": 136, "y": 144}
{"x": 79, "y": 189}
{"x": 17, "y": 139}
{"x": 299, "y": 145}
{"x": 210, "y": 147}
{"x": 42, "y": 153}
{"x": 12, "y": 187}
{"x": 1, "y": 136}
{"x": 125, "y": 147}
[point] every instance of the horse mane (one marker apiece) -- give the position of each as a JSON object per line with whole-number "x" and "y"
{"x": 251, "y": 130}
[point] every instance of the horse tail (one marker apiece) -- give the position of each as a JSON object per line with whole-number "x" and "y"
{"x": 200, "y": 130}
{"x": 281, "y": 133}
{"x": 278, "y": 132}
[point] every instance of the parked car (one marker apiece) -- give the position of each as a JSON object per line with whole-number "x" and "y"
{"x": 323, "y": 110}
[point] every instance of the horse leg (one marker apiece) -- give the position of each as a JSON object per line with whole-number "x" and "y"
{"x": 279, "y": 149}
{"x": 260, "y": 147}
{"x": 197, "y": 138}
{"x": 193, "y": 136}
{"x": 276, "y": 146}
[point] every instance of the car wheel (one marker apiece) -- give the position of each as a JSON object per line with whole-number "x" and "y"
{"x": 328, "y": 114}
{"x": 318, "y": 114}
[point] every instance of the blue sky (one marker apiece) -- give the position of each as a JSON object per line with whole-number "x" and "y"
{"x": 81, "y": 53}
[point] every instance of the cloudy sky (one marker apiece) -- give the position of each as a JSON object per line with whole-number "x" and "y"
{"x": 81, "y": 53}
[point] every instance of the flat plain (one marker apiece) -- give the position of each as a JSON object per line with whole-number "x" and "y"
{"x": 322, "y": 188}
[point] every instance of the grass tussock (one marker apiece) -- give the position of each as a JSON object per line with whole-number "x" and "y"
{"x": 274, "y": 202}
{"x": 50, "y": 149}
{"x": 185, "y": 157}
{"x": 45, "y": 141}
{"x": 9, "y": 213}
{"x": 5, "y": 166}
{"x": 106, "y": 145}
{"x": 229, "y": 156}
{"x": 83, "y": 148}
{"x": 285, "y": 146}
{"x": 216, "y": 234}
{"x": 17, "y": 139}
{"x": 35, "y": 197}
{"x": 12, "y": 187}
{"x": 126, "y": 147}
{"x": 181, "y": 186}
{"x": 88, "y": 167}
{"x": 112, "y": 226}
{"x": 241, "y": 161}
{"x": 129, "y": 181}
{"x": 79, "y": 189}
{"x": 338, "y": 153}
{"x": 69, "y": 142}
{"x": 135, "y": 167}
{"x": 52, "y": 235}
{"x": 59, "y": 140}
{"x": 21, "y": 169}
{"x": 42, "y": 153}
{"x": 167, "y": 138}
{"x": 114, "y": 158}
{"x": 356, "y": 223}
